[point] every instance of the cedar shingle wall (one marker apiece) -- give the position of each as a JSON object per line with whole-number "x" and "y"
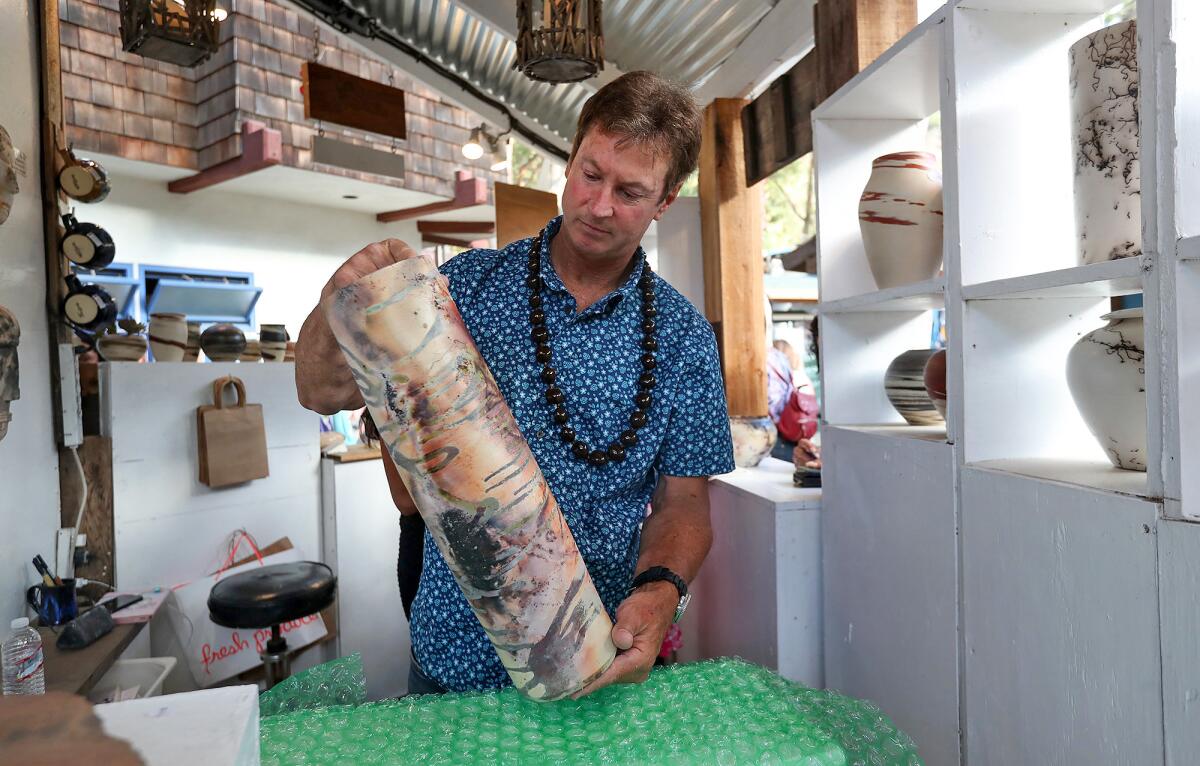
{"x": 122, "y": 104}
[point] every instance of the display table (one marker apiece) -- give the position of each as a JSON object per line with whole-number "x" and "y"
{"x": 758, "y": 595}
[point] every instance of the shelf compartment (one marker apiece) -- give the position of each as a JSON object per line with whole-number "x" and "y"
{"x": 1100, "y": 280}
{"x": 1088, "y": 474}
{"x": 901, "y": 84}
{"x": 934, "y": 434}
{"x": 921, "y": 296}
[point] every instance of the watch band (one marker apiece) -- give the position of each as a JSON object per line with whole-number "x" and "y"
{"x": 655, "y": 574}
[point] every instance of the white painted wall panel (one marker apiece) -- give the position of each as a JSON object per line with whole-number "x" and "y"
{"x": 891, "y": 582}
{"x": 28, "y": 457}
{"x": 1060, "y": 607}
{"x": 1179, "y": 579}
{"x": 680, "y": 251}
{"x": 362, "y": 535}
{"x": 169, "y": 527}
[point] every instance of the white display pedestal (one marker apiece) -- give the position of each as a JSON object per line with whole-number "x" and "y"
{"x": 758, "y": 595}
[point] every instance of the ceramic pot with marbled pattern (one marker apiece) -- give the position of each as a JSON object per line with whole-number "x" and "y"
{"x": 252, "y": 352}
{"x": 192, "y": 352}
{"x": 752, "y": 440}
{"x": 168, "y": 337}
{"x": 904, "y": 384}
{"x": 935, "y": 381}
{"x": 900, "y": 216}
{"x": 223, "y": 343}
{"x": 1108, "y": 172}
{"x": 121, "y": 348}
{"x": 1106, "y": 372}
{"x": 273, "y": 340}
{"x": 290, "y": 354}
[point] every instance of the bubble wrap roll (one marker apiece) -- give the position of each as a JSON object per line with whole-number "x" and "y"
{"x": 473, "y": 477}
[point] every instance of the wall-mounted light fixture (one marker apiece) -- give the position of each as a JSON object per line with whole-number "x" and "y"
{"x": 482, "y": 142}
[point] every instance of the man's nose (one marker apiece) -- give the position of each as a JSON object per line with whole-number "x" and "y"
{"x": 602, "y": 206}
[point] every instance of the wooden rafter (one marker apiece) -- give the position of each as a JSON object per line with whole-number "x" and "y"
{"x": 456, "y": 227}
{"x": 438, "y": 239}
{"x": 262, "y": 147}
{"x": 468, "y": 192}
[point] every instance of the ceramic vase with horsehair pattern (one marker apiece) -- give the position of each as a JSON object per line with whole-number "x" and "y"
{"x": 473, "y": 477}
{"x": 900, "y": 217}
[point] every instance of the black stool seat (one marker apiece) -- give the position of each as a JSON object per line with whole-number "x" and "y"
{"x": 272, "y": 595}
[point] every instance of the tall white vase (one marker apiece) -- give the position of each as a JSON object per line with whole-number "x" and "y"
{"x": 1108, "y": 173}
{"x": 900, "y": 216}
{"x": 1106, "y": 372}
{"x": 168, "y": 337}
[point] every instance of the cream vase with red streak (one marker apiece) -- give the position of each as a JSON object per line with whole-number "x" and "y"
{"x": 900, "y": 215}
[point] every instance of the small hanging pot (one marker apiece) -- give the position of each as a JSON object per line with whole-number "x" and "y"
{"x": 84, "y": 180}
{"x": 88, "y": 307}
{"x": 86, "y": 244}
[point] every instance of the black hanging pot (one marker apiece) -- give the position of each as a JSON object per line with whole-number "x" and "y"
{"x": 84, "y": 180}
{"x": 86, "y": 244}
{"x": 88, "y": 307}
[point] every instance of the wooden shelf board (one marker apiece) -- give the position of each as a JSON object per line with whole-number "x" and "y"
{"x": 1092, "y": 7}
{"x": 1086, "y": 474}
{"x": 1120, "y": 277}
{"x": 921, "y": 296}
{"x": 934, "y": 434}
{"x": 901, "y": 84}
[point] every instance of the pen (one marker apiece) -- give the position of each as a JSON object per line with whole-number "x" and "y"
{"x": 45, "y": 570}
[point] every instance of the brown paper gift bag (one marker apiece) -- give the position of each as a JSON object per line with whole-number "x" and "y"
{"x": 232, "y": 440}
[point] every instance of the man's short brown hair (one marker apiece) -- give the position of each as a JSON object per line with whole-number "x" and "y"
{"x": 646, "y": 109}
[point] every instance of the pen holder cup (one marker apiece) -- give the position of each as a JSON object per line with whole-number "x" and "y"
{"x": 54, "y": 604}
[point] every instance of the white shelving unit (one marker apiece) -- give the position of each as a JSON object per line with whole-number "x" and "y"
{"x": 1060, "y": 592}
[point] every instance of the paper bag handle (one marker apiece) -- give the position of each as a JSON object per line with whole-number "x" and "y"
{"x": 219, "y": 389}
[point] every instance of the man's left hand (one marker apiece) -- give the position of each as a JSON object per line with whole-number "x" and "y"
{"x": 642, "y": 623}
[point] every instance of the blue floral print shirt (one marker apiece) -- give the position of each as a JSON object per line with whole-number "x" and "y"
{"x": 597, "y": 354}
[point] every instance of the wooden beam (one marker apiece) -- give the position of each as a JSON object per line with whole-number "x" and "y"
{"x": 355, "y": 102}
{"x": 468, "y": 192}
{"x": 852, "y": 33}
{"x": 731, "y": 233}
{"x": 777, "y": 126}
{"x": 456, "y": 227}
{"x": 521, "y": 212}
{"x": 438, "y": 239}
{"x": 262, "y": 147}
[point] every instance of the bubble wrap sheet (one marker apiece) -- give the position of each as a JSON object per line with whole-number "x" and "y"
{"x": 719, "y": 712}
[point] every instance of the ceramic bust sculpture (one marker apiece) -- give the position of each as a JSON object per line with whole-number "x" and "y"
{"x": 1106, "y": 372}
{"x": 900, "y": 216}
{"x": 461, "y": 455}
{"x": 1108, "y": 173}
{"x": 10, "y": 389}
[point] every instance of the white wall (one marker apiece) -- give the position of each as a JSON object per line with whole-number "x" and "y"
{"x": 28, "y": 458}
{"x": 292, "y": 249}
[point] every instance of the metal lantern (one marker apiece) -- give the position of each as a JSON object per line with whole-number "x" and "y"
{"x": 182, "y": 32}
{"x": 559, "y": 40}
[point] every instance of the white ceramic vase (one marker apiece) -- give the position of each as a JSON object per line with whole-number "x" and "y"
{"x": 1107, "y": 141}
{"x": 1106, "y": 372}
{"x": 900, "y": 215}
{"x": 168, "y": 337}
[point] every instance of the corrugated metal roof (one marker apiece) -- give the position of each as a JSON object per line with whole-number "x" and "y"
{"x": 684, "y": 40}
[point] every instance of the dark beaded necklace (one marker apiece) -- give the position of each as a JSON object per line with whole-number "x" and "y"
{"x": 554, "y": 395}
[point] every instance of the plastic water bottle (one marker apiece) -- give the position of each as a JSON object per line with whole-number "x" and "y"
{"x": 22, "y": 660}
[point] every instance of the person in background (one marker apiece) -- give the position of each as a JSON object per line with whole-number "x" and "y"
{"x": 807, "y": 453}
{"x": 791, "y": 400}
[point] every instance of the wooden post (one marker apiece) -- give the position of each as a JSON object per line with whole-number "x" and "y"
{"x": 731, "y": 231}
{"x": 852, "y": 33}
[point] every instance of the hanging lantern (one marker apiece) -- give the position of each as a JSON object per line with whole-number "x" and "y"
{"x": 182, "y": 32}
{"x": 559, "y": 40}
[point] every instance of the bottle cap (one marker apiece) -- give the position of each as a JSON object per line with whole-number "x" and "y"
{"x": 20, "y": 622}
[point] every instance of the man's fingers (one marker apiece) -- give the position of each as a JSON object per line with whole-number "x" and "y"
{"x": 622, "y": 638}
{"x": 398, "y": 250}
{"x": 622, "y": 665}
{"x": 372, "y": 258}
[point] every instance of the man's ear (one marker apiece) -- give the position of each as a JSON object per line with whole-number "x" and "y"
{"x": 666, "y": 203}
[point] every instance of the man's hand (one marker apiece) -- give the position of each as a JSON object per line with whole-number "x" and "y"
{"x": 324, "y": 383}
{"x": 642, "y": 623}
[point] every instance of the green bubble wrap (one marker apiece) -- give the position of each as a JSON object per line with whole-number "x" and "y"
{"x": 340, "y": 682}
{"x": 717, "y": 712}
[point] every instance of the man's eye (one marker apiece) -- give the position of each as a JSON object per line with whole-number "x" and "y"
{"x": 630, "y": 196}
{"x": 591, "y": 176}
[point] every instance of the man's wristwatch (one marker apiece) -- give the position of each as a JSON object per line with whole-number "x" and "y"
{"x": 655, "y": 574}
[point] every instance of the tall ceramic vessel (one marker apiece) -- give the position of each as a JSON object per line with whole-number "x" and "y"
{"x": 1106, "y": 372}
{"x": 192, "y": 352}
{"x": 168, "y": 337}
{"x": 473, "y": 478}
{"x": 904, "y": 385}
{"x": 1108, "y": 173}
{"x": 900, "y": 216}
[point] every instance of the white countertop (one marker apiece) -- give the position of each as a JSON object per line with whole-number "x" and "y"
{"x": 771, "y": 480}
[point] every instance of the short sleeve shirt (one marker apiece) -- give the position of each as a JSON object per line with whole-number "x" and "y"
{"x": 597, "y": 355}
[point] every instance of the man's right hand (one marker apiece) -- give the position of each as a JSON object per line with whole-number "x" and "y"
{"x": 324, "y": 383}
